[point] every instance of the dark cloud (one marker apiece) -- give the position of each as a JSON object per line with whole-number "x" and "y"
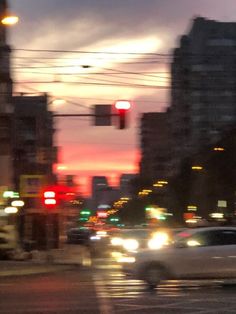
{"x": 110, "y": 18}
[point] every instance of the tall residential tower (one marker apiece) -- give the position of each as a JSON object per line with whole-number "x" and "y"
{"x": 203, "y": 94}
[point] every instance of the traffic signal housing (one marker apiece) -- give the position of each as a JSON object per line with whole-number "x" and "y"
{"x": 123, "y": 107}
{"x": 49, "y": 199}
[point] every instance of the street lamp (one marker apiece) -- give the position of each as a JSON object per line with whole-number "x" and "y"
{"x": 197, "y": 167}
{"x": 9, "y": 19}
{"x": 218, "y": 149}
{"x": 159, "y": 185}
{"x": 11, "y": 210}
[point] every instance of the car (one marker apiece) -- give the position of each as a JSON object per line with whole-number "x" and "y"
{"x": 133, "y": 240}
{"x": 79, "y": 236}
{"x": 200, "y": 253}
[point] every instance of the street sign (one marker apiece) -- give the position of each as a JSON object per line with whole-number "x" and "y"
{"x": 31, "y": 185}
{"x": 222, "y": 203}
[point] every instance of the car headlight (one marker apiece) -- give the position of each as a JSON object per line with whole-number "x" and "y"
{"x": 95, "y": 237}
{"x": 101, "y": 233}
{"x": 126, "y": 259}
{"x": 193, "y": 243}
{"x": 158, "y": 240}
{"x": 131, "y": 244}
{"x": 116, "y": 241}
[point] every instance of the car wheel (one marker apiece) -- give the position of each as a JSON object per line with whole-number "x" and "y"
{"x": 153, "y": 276}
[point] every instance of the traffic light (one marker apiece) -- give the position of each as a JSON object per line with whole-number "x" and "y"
{"x": 102, "y": 214}
{"x": 49, "y": 199}
{"x": 85, "y": 215}
{"x": 122, "y": 107}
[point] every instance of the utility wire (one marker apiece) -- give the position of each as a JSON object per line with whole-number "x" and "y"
{"x": 159, "y": 55}
{"x": 91, "y": 52}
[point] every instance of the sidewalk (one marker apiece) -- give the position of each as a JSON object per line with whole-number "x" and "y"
{"x": 47, "y": 261}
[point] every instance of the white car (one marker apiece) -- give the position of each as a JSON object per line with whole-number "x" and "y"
{"x": 201, "y": 253}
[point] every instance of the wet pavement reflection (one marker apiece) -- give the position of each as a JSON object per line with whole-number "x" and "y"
{"x": 132, "y": 296}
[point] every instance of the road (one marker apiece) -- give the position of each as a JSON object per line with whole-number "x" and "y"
{"x": 105, "y": 290}
{"x": 70, "y": 291}
{"x": 132, "y": 297}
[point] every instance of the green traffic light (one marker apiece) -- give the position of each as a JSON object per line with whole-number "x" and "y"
{"x": 114, "y": 219}
{"x": 83, "y": 219}
{"x": 85, "y": 212}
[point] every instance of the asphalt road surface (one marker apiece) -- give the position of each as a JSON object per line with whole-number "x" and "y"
{"x": 105, "y": 290}
{"x": 66, "y": 292}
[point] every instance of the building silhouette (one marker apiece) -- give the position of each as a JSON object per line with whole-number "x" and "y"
{"x": 34, "y": 151}
{"x": 203, "y": 87}
{"x": 155, "y": 146}
{"x": 126, "y": 184}
{"x": 99, "y": 186}
{"x": 6, "y": 109}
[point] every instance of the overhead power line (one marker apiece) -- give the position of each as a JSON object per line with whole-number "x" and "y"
{"x": 91, "y": 52}
{"x": 160, "y": 55}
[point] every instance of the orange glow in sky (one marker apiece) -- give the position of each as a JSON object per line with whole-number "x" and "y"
{"x": 97, "y": 52}
{"x": 85, "y": 150}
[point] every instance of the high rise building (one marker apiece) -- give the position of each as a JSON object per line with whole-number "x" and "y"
{"x": 99, "y": 186}
{"x": 203, "y": 93}
{"x": 34, "y": 150}
{"x": 126, "y": 184}
{"x": 155, "y": 146}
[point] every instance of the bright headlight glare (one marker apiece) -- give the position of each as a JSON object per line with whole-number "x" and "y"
{"x": 126, "y": 259}
{"x": 193, "y": 243}
{"x": 101, "y": 233}
{"x": 153, "y": 244}
{"x": 130, "y": 244}
{"x": 158, "y": 240}
{"x": 94, "y": 238}
{"x": 116, "y": 241}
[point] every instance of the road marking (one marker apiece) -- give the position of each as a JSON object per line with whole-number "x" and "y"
{"x": 105, "y": 304}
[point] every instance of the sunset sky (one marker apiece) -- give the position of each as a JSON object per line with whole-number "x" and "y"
{"x": 127, "y": 45}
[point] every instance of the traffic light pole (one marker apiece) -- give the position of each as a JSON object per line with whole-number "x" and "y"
{"x": 121, "y": 115}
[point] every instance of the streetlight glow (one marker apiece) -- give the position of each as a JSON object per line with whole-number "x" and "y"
{"x": 162, "y": 182}
{"x": 10, "y": 20}
{"x": 17, "y": 203}
{"x": 158, "y": 185}
{"x": 197, "y": 167}
{"x": 11, "y": 210}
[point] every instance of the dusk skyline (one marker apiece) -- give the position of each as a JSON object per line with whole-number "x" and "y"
{"x": 122, "y": 42}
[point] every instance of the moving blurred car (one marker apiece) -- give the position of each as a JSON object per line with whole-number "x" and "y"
{"x": 133, "y": 240}
{"x": 100, "y": 239}
{"x": 204, "y": 253}
{"x": 79, "y": 236}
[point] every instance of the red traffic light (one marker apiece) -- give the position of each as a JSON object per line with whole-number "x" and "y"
{"x": 122, "y": 105}
{"x": 49, "y": 194}
{"x": 49, "y": 198}
{"x": 102, "y": 214}
{"x": 50, "y": 201}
